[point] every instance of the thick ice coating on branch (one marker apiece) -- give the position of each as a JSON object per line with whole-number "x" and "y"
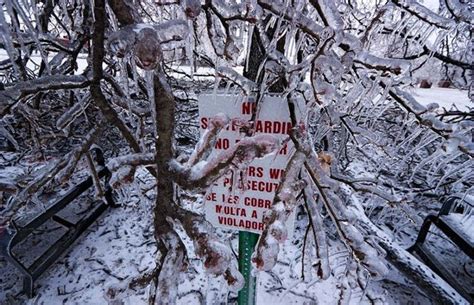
{"x": 204, "y": 173}
{"x": 148, "y": 52}
{"x": 206, "y": 141}
{"x": 284, "y": 204}
{"x": 132, "y": 160}
{"x": 396, "y": 66}
{"x": 174, "y": 262}
{"x": 216, "y": 255}
{"x": 192, "y": 8}
{"x": 330, "y": 14}
{"x": 424, "y": 13}
{"x": 322, "y": 267}
{"x": 144, "y": 41}
{"x": 247, "y": 85}
{"x": 172, "y": 30}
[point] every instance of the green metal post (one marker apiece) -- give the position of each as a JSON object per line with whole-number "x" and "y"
{"x": 247, "y": 242}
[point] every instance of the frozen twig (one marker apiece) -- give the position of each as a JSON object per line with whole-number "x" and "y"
{"x": 99, "y": 192}
{"x": 283, "y": 205}
{"x": 12, "y": 95}
{"x": 317, "y": 229}
{"x": 65, "y": 164}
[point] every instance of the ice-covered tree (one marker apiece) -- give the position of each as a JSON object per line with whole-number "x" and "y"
{"x": 367, "y": 153}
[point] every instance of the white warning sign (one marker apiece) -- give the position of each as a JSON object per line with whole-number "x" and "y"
{"x": 239, "y": 200}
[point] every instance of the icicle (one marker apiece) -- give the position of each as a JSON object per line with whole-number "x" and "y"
{"x": 400, "y": 26}
{"x": 423, "y": 143}
{"x": 34, "y": 7}
{"x": 289, "y": 38}
{"x": 386, "y": 104}
{"x": 217, "y": 81}
{"x": 422, "y": 163}
{"x": 190, "y": 47}
{"x": 63, "y": 4}
{"x": 227, "y": 87}
{"x": 92, "y": 5}
{"x": 276, "y": 37}
{"x": 300, "y": 42}
{"x": 249, "y": 46}
{"x": 124, "y": 76}
{"x": 466, "y": 166}
{"x": 443, "y": 164}
{"x": 373, "y": 32}
{"x": 126, "y": 81}
{"x": 151, "y": 97}
{"x": 136, "y": 76}
{"x": 426, "y": 34}
{"x": 410, "y": 138}
{"x": 441, "y": 36}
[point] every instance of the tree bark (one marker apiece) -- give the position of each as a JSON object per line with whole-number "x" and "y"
{"x": 164, "y": 104}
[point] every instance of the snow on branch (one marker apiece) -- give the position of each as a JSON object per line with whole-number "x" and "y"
{"x": 284, "y": 204}
{"x": 123, "y": 168}
{"x": 406, "y": 263}
{"x": 424, "y": 13}
{"x": 345, "y": 221}
{"x": 206, "y": 141}
{"x": 356, "y": 185}
{"x": 396, "y": 66}
{"x": 204, "y": 173}
{"x": 132, "y": 159}
{"x": 216, "y": 255}
{"x": 144, "y": 41}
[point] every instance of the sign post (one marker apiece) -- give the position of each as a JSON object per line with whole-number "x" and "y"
{"x": 239, "y": 199}
{"x": 247, "y": 242}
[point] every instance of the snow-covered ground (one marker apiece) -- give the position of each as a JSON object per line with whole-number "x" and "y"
{"x": 445, "y": 97}
{"x": 119, "y": 246}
